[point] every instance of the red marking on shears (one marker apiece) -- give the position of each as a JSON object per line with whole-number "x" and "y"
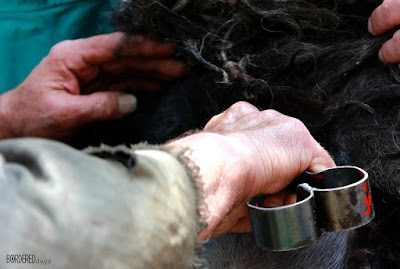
{"x": 367, "y": 200}
{"x": 365, "y": 187}
{"x": 368, "y": 203}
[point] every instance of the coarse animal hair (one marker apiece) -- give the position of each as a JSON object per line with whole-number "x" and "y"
{"x": 313, "y": 60}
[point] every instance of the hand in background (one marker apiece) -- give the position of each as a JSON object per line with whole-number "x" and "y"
{"x": 49, "y": 102}
{"x": 386, "y": 17}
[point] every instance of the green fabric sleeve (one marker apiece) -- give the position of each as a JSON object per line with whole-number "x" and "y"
{"x": 29, "y": 28}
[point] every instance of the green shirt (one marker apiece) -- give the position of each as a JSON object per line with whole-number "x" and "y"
{"x": 29, "y": 28}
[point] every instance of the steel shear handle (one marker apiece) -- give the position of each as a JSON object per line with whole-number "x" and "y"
{"x": 332, "y": 200}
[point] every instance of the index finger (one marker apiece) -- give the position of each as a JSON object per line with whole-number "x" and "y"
{"x": 103, "y": 48}
{"x": 385, "y": 17}
{"x": 100, "y": 49}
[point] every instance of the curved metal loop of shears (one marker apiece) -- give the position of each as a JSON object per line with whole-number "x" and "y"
{"x": 333, "y": 200}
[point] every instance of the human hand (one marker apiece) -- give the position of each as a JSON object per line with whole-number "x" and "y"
{"x": 244, "y": 152}
{"x": 385, "y": 17}
{"x": 49, "y": 102}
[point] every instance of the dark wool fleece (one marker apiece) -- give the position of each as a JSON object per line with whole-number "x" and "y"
{"x": 313, "y": 60}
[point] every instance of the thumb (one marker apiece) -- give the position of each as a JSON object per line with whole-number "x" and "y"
{"x": 100, "y": 106}
{"x": 321, "y": 161}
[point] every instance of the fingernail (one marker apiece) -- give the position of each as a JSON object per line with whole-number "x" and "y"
{"x": 318, "y": 168}
{"x": 380, "y": 55}
{"x": 127, "y": 103}
{"x": 370, "y": 26}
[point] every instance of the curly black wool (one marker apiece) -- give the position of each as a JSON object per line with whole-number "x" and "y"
{"x": 313, "y": 60}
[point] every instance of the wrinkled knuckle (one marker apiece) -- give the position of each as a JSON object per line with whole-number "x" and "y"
{"x": 106, "y": 108}
{"x": 60, "y": 47}
{"x": 296, "y": 125}
{"x": 101, "y": 108}
{"x": 239, "y": 110}
{"x": 240, "y": 107}
{"x": 272, "y": 113}
{"x": 58, "y": 51}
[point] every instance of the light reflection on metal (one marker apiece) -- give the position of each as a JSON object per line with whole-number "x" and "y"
{"x": 333, "y": 200}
